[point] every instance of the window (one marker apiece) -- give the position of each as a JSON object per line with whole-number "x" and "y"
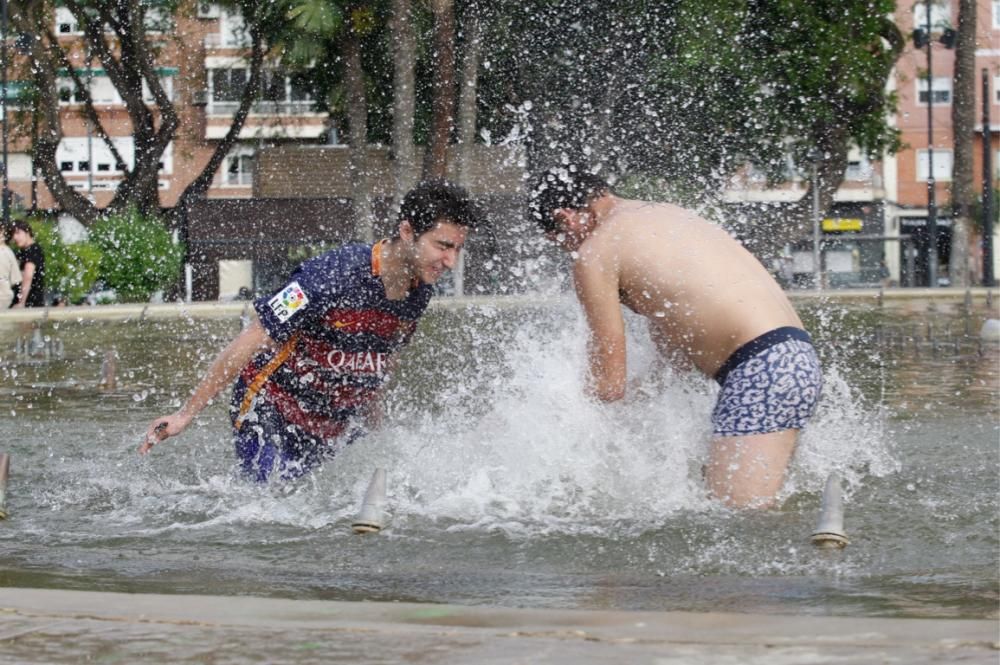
{"x": 996, "y": 89}
{"x": 76, "y": 154}
{"x": 157, "y": 18}
{"x": 996, "y": 14}
{"x": 858, "y": 166}
{"x": 208, "y": 10}
{"x": 239, "y": 166}
{"x": 167, "y": 160}
{"x": 66, "y": 23}
{"x": 227, "y": 84}
{"x": 942, "y": 165}
{"x": 272, "y": 86}
{"x": 276, "y": 87}
{"x": 167, "y": 83}
{"x": 941, "y": 89}
{"x": 233, "y": 28}
{"x": 103, "y": 91}
{"x": 940, "y": 14}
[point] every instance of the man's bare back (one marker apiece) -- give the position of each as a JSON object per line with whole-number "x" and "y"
{"x": 709, "y": 301}
{"x": 704, "y": 294}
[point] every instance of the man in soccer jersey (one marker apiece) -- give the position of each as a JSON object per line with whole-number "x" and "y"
{"x": 308, "y": 370}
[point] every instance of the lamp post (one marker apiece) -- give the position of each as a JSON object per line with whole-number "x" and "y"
{"x": 932, "y": 252}
{"x": 817, "y": 256}
{"x": 3, "y": 113}
{"x": 989, "y": 279}
{"x": 922, "y": 37}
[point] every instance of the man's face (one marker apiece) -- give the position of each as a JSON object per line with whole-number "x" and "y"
{"x": 570, "y": 229}
{"x": 434, "y": 251}
{"x": 21, "y": 238}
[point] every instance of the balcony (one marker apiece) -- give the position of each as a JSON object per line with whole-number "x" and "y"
{"x": 218, "y": 40}
{"x": 286, "y": 108}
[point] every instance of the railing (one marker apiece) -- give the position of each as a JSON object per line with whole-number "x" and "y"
{"x": 237, "y": 180}
{"x": 218, "y": 40}
{"x": 263, "y": 108}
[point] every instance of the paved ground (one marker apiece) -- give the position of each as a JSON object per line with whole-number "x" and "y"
{"x": 55, "y": 626}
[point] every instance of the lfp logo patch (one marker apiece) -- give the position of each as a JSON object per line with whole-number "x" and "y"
{"x": 288, "y": 301}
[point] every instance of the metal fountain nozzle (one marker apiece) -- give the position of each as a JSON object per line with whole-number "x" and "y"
{"x": 829, "y": 533}
{"x": 371, "y": 517}
{"x": 4, "y": 473}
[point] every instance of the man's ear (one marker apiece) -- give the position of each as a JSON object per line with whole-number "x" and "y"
{"x": 406, "y": 231}
{"x": 563, "y": 218}
{"x": 569, "y": 220}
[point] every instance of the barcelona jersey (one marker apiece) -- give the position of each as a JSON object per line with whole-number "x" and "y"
{"x": 334, "y": 330}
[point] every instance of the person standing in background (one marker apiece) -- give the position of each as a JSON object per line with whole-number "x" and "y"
{"x": 10, "y": 271}
{"x": 31, "y": 259}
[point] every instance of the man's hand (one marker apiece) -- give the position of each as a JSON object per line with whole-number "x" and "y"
{"x": 162, "y": 429}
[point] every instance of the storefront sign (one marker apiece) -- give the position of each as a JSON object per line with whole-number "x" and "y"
{"x": 841, "y": 224}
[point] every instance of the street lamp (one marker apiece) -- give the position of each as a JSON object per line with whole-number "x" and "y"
{"x": 922, "y": 37}
{"x": 3, "y": 113}
{"x": 814, "y": 156}
{"x": 989, "y": 278}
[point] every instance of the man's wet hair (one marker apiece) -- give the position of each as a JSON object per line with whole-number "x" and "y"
{"x": 563, "y": 187}
{"x": 434, "y": 201}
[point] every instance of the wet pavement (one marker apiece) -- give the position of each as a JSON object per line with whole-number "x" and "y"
{"x": 56, "y": 626}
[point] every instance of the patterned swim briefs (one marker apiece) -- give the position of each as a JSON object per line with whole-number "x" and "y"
{"x": 771, "y": 383}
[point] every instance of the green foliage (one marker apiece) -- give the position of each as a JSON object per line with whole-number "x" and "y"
{"x": 316, "y": 16}
{"x": 976, "y": 211}
{"x": 70, "y": 269}
{"x": 138, "y": 255}
{"x": 691, "y": 90}
{"x": 302, "y": 253}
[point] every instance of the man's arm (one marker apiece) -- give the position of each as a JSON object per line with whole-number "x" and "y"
{"x": 597, "y": 288}
{"x": 373, "y": 411}
{"x": 26, "y": 278}
{"x": 220, "y": 374}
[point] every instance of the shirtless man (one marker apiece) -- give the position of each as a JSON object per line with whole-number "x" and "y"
{"x": 710, "y": 305}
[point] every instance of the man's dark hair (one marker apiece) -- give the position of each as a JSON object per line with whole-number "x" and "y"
{"x": 434, "y": 201}
{"x": 563, "y": 187}
{"x": 21, "y": 225}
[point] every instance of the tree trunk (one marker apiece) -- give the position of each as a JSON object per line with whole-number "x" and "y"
{"x": 467, "y": 100}
{"x": 404, "y": 56}
{"x": 46, "y": 59}
{"x": 436, "y": 162}
{"x": 832, "y": 144}
{"x": 128, "y": 65}
{"x": 963, "y": 118}
{"x": 357, "y": 119}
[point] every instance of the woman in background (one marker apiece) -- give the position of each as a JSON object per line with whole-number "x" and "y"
{"x": 10, "y": 272}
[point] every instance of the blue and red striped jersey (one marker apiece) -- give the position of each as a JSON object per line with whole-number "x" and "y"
{"x": 335, "y": 331}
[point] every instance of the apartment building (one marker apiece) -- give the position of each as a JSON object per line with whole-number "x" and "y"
{"x": 203, "y": 68}
{"x": 925, "y": 124}
{"x": 878, "y": 221}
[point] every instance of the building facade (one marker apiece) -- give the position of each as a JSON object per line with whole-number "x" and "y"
{"x": 924, "y": 120}
{"x": 202, "y": 66}
{"x": 874, "y": 234}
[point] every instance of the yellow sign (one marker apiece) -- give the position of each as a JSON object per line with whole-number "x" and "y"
{"x": 841, "y": 224}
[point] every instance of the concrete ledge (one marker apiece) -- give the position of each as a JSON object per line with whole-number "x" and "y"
{"x": 244, "y": 629}
{"x": 217, "y": 309}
